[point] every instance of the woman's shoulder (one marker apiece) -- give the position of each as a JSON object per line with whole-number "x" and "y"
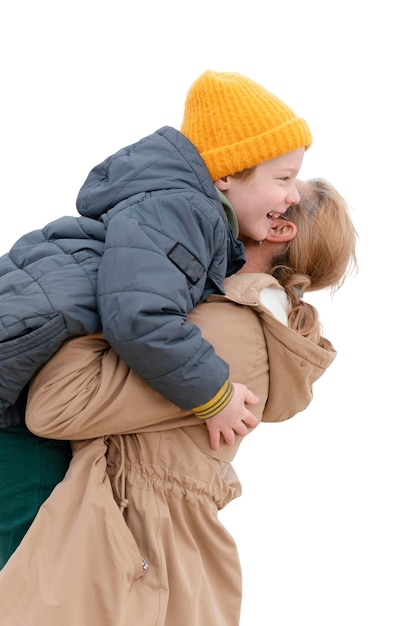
{"x": 246, "y": 288}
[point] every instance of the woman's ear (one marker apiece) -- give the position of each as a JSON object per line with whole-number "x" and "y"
{"x": 282, "y": 232}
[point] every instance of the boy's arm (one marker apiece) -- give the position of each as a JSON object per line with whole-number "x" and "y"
{"x": 87, "y": 391}
{"x": 227, "y": 415}
{"x": 148, "y": 282}
{"x": 234, "y": 419}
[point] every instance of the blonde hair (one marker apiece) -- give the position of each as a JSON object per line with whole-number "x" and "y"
{"x": 320, "y": 256}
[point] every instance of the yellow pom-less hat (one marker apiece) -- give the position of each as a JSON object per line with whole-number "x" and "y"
{"x": 235, "y": 123}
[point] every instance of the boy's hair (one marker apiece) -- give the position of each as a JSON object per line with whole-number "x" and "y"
{"x": 235, "y": 123}
{"x": 321, "y": 255}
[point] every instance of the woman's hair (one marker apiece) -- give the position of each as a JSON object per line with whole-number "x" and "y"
{"x": 320, "y": 256}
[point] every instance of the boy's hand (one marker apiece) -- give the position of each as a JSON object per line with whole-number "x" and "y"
{"x": 234, "y": 418}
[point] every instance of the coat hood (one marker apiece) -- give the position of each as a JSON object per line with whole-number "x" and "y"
{"x": 162, "y": 161}
{"x": 295, "y": 363}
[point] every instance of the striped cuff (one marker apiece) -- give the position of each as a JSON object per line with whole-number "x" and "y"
{"x": 217, "y": 403}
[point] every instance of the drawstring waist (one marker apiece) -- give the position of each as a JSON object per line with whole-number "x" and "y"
{"x": 119, "y": 482}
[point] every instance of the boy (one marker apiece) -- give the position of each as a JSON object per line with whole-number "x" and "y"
{"x": 159, "y": 237}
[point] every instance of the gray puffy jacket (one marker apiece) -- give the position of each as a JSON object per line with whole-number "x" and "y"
{"x": 151, "y": 243}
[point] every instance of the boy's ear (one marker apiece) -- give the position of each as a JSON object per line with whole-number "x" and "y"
{"x": 282, "y": 232}
{"x": 222, "y": 184}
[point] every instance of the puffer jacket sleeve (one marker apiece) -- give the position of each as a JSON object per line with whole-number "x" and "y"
{"x": 87, "y": 391}
{"x": 160, "y": 254}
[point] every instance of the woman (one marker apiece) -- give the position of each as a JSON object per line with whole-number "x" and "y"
{"x": 132, "y": 536}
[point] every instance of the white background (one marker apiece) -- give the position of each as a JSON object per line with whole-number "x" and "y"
{"x": 326, "y": 526}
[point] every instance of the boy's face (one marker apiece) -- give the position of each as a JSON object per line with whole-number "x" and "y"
{"x": 268, "y": 193}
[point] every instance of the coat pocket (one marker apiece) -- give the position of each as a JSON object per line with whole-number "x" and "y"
{"x": 22, "y": 356}
{"x": 78, "y": 562}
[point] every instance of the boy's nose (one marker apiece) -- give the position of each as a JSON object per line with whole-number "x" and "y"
{"x": 293, "y": 197}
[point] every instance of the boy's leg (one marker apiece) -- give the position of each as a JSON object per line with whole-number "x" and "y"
{"x": 30, "y": 467}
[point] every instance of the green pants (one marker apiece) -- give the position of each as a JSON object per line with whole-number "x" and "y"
{"x": 30, "y": 467}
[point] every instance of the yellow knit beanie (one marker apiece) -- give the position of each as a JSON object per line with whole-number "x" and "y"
{"x": 235, "y": 123}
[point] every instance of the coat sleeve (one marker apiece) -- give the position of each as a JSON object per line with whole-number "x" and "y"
{"x": 87, "y": 391}
{"x": 147, "y": 284}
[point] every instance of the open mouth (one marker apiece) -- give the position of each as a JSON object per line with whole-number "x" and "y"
{"x": 273, "y": 215}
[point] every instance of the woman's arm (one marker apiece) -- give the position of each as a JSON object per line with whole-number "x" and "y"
{"x": 87, "y": 391}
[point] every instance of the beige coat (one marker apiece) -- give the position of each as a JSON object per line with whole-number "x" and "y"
{"x": 131, "y": 536}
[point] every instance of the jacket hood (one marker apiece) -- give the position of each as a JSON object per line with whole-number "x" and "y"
{"x": 162, "y": 161}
